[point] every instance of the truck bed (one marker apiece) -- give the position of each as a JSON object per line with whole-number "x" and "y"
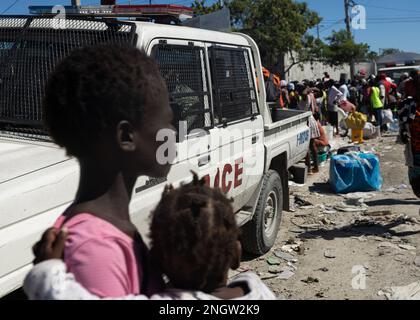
{"x": 286, "y": 118}
{"x": 289, "y": 135}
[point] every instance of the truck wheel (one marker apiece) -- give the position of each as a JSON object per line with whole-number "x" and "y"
{"x": 259, "y": 234}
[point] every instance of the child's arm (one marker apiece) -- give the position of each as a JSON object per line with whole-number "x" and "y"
{"x": 49, "y": 280}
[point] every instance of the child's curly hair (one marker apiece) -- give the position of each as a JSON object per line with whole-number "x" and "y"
{"x": 94, "y": 88}
{"x": 194, "y": 236}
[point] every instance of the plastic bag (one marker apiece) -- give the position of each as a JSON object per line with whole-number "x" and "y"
{"x": 387, "y": 116}
{"x": 369, "y": 131}
{"x": 356, "y": 121}
{"x": 355, "y": 172}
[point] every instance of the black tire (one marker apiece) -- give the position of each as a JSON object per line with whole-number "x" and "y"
{"x": 256, "y": 239}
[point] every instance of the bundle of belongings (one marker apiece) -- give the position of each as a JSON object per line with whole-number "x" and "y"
{"x": 356, "y": 121}
{"x": 355, "y": 171}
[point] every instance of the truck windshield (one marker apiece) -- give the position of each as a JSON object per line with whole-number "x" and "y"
{"x": 30, "y": 47}
{"x": 397, "y": 73}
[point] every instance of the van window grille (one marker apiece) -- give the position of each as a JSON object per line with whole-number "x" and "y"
{"x": 30, "y": 47}
{"x": 184, "y": 70}
{"x": 233, "y": 84}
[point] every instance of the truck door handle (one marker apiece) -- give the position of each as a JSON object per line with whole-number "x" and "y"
{"x": 254, "y": 139}
{"x": 204, "y": 160}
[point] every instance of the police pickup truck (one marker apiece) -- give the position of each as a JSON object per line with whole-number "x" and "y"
{"x": 217, "y": 92}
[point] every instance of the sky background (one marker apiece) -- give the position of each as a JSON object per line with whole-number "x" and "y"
{"x": 390, "y": 23}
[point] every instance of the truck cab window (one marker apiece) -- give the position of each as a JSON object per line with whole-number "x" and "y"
{"x": 183, "y": 68}
{"x": 232, "y": 83}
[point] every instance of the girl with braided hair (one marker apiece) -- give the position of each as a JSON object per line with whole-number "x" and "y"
{"x": 194, "y": 242}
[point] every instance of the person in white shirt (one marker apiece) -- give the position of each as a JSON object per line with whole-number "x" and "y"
{"x": 344, "y": 90}
{"x": 194, "y": 243}
{"x": 334, "y": 96}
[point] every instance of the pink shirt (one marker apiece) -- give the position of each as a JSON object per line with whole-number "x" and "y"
{"x": 106, "y": 261}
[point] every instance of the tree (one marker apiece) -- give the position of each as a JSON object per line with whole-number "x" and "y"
{"x": 388, "y": 51}
{"x": 342, "y": 49}
{"x": 277, "y": 26}
{"x": 372, "y": 56}
{"x": 199, "y": 7}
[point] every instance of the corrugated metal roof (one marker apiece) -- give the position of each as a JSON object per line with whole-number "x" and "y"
{"x": 399, "y": 57}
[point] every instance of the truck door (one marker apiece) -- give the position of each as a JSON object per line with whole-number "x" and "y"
{"x": 237, "y": 118}
{"x": 183, "y": 66}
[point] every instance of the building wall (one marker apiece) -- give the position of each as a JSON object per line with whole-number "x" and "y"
{"x": 315, "y": 70}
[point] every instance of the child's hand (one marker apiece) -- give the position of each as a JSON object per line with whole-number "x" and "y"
{"x": 51, "y": 245}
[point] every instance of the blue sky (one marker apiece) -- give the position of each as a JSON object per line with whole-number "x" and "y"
{"x": 390, "y": 23}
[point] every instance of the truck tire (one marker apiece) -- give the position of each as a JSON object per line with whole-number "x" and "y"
{"x": 259, "y": 234}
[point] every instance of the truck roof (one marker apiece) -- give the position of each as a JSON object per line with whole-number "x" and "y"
{"x": 150, "y": 30}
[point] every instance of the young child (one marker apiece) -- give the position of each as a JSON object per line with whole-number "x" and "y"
{"x": 105, "y": 105}
{"x": 194, "y": 242}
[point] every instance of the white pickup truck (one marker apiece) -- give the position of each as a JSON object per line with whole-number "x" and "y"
{"x": 216, "y": 85}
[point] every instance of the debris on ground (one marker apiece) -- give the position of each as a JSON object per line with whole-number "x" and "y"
{"x": 380, "y": 213}
{"x": 357, "y": 198}
{"x": 378, "y": 227}
{"x": 409, "y": 292}
{"x": 309, "y": 280}
{"x": 362, "y": 222}
{"x": 362, "y": 238}
{"x": 386, "y": 244}
{"x": 303, "y": 204}
{"x": 294, "y": 246}
{"x": 286, "y": 274}
{"x": 326, "y": 221}
{"x": 407, "y": 247}
{"x": 397, "y": 189}
{"x": 275, "y": 269}
{"x": 294, "y": 184}
{"x": 273, "y": 261}
{"x": 267, "y": 276}
{"x": 329, "y": 253}
{"x": 306, "y": 226}
{"x": 323, "y": 269}
{"x": 329, "y": 210}
{"x": 285, "y": 256}
{"x": 345, "y": 207}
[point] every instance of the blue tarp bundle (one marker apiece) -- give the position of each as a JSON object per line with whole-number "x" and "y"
{"x": 354, "y": 172}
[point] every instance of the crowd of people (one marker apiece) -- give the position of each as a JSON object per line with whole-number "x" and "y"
{"x": 331, "y": 101}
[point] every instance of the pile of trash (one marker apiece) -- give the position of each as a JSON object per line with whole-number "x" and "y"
{"x": 281, "y": 264}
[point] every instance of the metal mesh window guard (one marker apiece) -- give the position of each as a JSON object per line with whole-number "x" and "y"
{"x": 233, "y": 85}
{"x": 30, "y": 47}
{"x": 184, "y": 70}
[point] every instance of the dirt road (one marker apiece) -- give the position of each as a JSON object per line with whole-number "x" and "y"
{"x": 347, "y": 255}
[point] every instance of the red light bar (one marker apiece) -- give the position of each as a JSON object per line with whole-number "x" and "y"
{"x": 155, "y": 8}
{"x": 120, "y": 10}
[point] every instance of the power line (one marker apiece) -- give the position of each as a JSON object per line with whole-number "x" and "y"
{"x": 388, "y": 8}
{"x": 337, "y": 22}
{"x": 10, "y": 7}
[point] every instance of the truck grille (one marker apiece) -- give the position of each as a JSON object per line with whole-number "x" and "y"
{"x": 30, "y": 47}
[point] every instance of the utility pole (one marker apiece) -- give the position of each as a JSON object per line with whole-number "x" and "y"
{"x": 75, "y": 2}
{"x": 317, "y": 30}
{"x": 349, "y": 35}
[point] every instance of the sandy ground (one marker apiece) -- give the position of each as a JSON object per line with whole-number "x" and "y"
{"x": 367, "y": 251}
